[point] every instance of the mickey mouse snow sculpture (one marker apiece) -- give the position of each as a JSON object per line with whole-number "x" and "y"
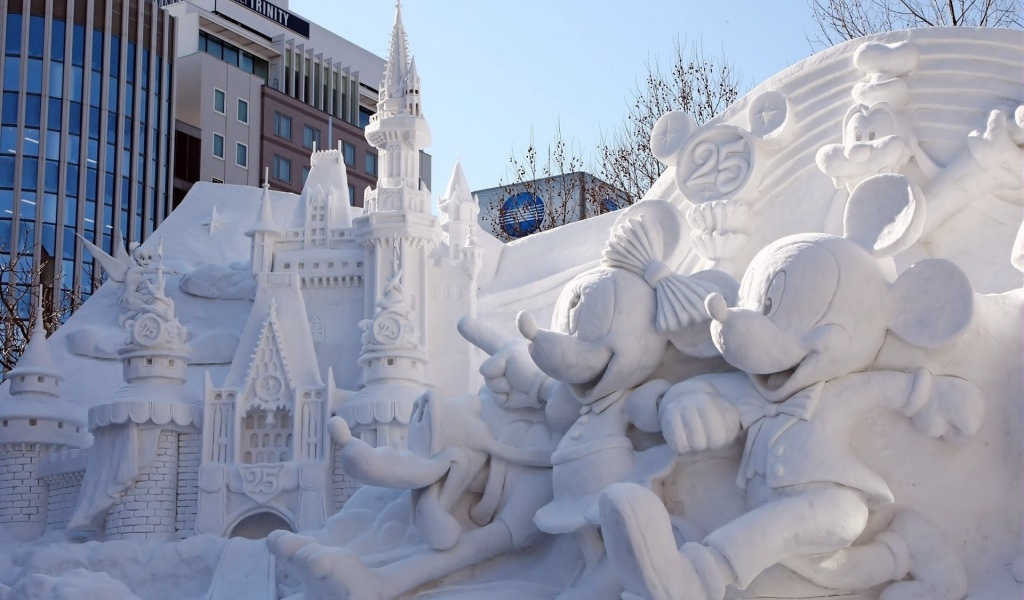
{"x": 814, "y": 311}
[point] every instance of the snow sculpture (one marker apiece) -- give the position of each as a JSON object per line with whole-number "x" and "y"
{"x": 137, "y": 435}
{"x": 878, "y": 138}
{"x": 477, "y": 474}
{"x": 587, "y": 380}
{"x": 814, "y": 312}
{"x": 611, "y": 330}
{"x": 36, "y": 423}
{"x": 129, "y": 270}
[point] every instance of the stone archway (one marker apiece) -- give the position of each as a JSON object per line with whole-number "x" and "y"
{"x": 257, "y": 525}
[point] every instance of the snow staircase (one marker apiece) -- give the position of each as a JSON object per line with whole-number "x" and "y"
{"x": 246, "y": 570}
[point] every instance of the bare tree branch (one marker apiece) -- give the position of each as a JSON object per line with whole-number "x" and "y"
{"x": 840, "y": 20}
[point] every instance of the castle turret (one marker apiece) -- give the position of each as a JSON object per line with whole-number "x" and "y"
{"x": 264, "y": 233}
{"x": 34, "y": 422}
{"x": 149, "y": 433}
{"x": 459, "y": 213}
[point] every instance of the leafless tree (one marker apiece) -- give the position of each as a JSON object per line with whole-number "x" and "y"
{"x": 840, "y": 20}
{"x": 701, "y": 85}
{"x": 21, "y": 280}
{"x": 695, "y": 82}
{"x": 558, "y": 180}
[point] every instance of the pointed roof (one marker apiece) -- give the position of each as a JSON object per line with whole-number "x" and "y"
{"x": 278, "y": 316}
{"x": 395, "y": 74}
{"x": 36, "y": 360}
{"x": 458, "y": 186}
{"x": 265, "y": 221}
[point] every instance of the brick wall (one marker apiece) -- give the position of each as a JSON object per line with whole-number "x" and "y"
{"x": 22, "y": 493}
{"x": 190, "y": 447}
{"x": 149, "y": 508}
{"x": 63, "y": 497}
{"x": 343, "y": 485}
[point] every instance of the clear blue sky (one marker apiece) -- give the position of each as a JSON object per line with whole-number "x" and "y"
{"x": 492, "y": 70}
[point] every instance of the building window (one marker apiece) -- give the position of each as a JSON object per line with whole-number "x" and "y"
{"x": 371, "y": 163}
{"x": 243, "y": 111}
{"x": 242, "y": 155}
{"x": 218, "y": 146}
{"x": 310, "y": 136}
{"x": 282, "y": 126}
{"x": 282, "y": 168}
{"x": 351, "y": 194}
{"x": 350, "y": 154}
{"x": 305, "y": 175}
{"x": 218, "y": 101}
{"x": 216, "y": 180}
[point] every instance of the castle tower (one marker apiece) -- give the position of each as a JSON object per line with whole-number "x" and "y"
{"x": 264, "y": 233}
{"x": 150, "y": 431}
{"x": 397, "y": 229}
{"x": 34, "y": 423}
{"x": 458, "y": 213}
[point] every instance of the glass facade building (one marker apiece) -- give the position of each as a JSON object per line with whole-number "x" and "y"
{"x": 85, "y": 120}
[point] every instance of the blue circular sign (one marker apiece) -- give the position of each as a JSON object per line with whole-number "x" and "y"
{"x": 522, "y": 214}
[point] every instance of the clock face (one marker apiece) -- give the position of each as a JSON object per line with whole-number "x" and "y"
{"x": 269, "y": 387}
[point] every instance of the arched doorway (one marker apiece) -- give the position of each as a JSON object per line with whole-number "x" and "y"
{"x": 258, "y": 525}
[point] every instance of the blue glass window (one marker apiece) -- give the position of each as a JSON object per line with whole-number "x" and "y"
{"x": 8, "y": 140}
{"x": 75, "y": 118}
{"x": 36, "y": 36}
{"x": 53, "y": 113}
{"x": 27, "y": 205}
{"x": 51, "y": 182}
{"x": 94, "y": 122}
{"x": 33, "y": 109}
{"x": 115, "y": 54}
{"x": 71, "y": 189}
{"x": 97, "y": 50}
{"x": 522, "y": 214}
{"x": 12, "y": 45}
{"x": 91, "y": 183}
{"x": 30, "y": 142}
{"x": 49, "y": 208}
{"x": 34, "y": 81}
{"x": 93, "y": 152}
{"x": 53, "y": 145}
{"x": 7, "y": 171}
{"x": 112, "y": 93}
{"x": 77, "y": 84}
{"x": 12, "y": 74}
{"x": 5, "y": 228}
{"x": 57, "y": 40}
{"x": 70, "y": 211}
{"x": 130, "y": 64}
{"x": 371, "y": 163}
{"x": 29, "y": 171}
{"x": 10, "y": 115}
{"x": 69, "y": 244}
{"x": 95, "y": 89}
{"x": 56, "y": 79}
{"x": 78, "y": 46}
{"x": 111, "y": 127}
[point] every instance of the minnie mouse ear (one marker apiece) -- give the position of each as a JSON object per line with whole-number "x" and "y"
{"x": 885, "y": 214}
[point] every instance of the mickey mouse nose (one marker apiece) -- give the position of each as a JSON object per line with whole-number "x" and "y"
{"x": 527, "y": 325}
{"x": 717, "y": 307}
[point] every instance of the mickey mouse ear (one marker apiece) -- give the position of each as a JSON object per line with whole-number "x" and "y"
{"x": 885, "y": 214}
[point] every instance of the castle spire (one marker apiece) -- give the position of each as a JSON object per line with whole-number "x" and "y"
{"x": 397, "y": 70}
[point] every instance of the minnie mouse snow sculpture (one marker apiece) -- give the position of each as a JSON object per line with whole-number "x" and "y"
{"x": 814, "y": 311}
{"x": 612, "y": 329}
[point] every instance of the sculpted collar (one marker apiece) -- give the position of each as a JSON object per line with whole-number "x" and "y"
{"x": 801, "y": 405}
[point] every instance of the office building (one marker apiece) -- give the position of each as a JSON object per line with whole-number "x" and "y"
{"x": 86, "y": 116}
